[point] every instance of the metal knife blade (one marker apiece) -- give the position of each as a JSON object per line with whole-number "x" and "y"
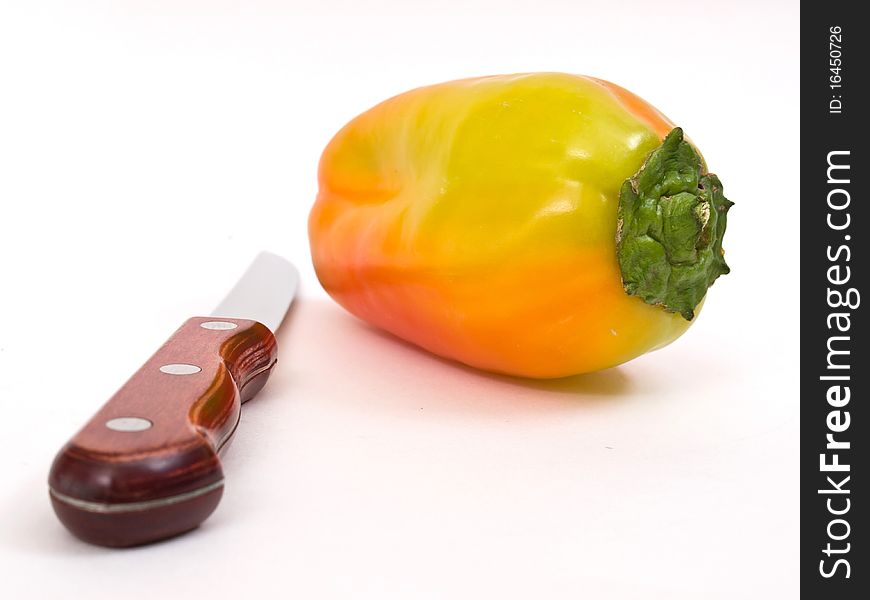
{"x": 146, "y": 466}
{"x": 264, "y": 293}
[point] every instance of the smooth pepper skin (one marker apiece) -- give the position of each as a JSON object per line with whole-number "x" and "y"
{"x": 477, "y": 219}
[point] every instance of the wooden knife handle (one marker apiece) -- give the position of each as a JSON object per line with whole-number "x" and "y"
{"x": 146, "y": 466}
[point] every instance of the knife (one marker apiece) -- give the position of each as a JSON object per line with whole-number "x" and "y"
{"x": 146, "y": 466}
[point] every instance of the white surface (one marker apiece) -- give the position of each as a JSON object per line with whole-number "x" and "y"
{"x": 149, "y": 150}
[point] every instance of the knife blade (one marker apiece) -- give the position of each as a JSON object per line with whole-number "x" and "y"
{"x": 146, "y": 466}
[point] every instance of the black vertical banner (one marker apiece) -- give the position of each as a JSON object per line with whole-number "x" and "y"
{"x": 835, "y": 226}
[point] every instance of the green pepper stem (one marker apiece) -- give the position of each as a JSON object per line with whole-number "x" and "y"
{"x": 671, "y": 221}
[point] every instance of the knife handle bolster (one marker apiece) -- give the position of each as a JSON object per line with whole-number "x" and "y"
{"x": 146, "y": 466}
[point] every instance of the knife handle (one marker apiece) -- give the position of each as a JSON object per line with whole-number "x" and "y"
{"x": 146, "y": 466}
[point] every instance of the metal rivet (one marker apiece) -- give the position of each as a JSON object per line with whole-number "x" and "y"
{"x": 129, "y": 424}
{"x": 218, "y": 325}
{"x": 180, "y": 369}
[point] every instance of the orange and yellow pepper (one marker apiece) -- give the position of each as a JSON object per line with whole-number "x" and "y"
{"x": 539, "y": 225}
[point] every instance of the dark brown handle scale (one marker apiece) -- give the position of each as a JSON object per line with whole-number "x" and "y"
{"x": 127, "y": 487}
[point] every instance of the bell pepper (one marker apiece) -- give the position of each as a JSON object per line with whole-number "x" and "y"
{"x": 538, "y": 225}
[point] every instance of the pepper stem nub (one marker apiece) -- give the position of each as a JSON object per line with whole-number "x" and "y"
{"x": 671, "y": 220}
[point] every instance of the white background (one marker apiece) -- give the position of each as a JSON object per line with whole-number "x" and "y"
{"x": 148, "y": 150}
